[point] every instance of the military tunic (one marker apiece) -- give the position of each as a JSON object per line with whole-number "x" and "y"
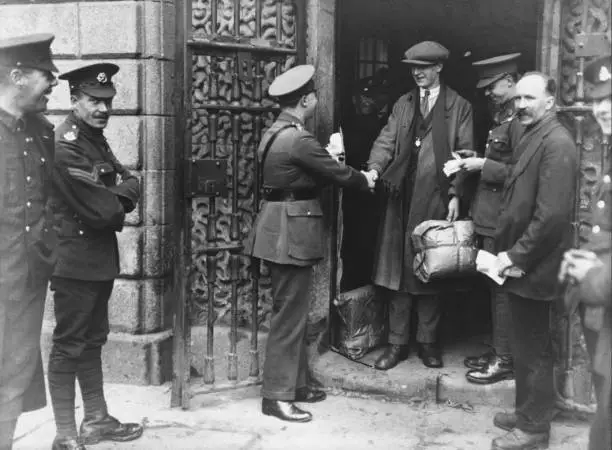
{"x": 26, "y": 258}
{"x": 289, "y": 235}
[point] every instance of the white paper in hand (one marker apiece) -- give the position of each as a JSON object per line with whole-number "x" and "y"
{"x": 486, "y": 263}
{"x": 451, "y": 167}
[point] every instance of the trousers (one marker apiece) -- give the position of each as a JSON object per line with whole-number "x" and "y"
{"x": 400, "y": 308}
{"x": 286, "y": 363}
{"x": 533, "y": 363}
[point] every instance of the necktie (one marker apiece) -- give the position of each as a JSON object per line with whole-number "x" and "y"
{"x": 425, "y": 103}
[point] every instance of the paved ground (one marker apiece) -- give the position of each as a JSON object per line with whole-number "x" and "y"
{"x": 232, "y": 421}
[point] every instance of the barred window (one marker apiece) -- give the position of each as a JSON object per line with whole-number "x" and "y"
{"x": 372, "y": 55}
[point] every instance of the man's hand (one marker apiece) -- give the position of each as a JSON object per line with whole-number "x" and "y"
{"x": 472, "y": 164}
{"x": 371, "y": 176}
{"x": 576, "y": 263}
{"x": 453, "y": 209}
{"x": 466, "y": 153}
{"x": 503, "y": 263}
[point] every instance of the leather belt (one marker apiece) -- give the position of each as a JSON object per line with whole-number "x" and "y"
{"x": 289, "y": 195}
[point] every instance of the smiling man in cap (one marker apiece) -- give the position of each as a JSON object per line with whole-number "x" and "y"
{"x": 92, "y": 194}
{"x": 497, "y": 78}
{"x": 425, "y": 126}
{"x": 289, "y": 235}
{"x": 26, "y": 244}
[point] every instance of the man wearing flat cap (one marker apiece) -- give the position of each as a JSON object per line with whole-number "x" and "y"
{"x": 289, "y": 235}
{"x": 589, "y": 269}
{"x": 497, "y": 78}
{"x": 92, "y": 193}
{"x": 27, "y": 241}
{"x": 425, "y": 126}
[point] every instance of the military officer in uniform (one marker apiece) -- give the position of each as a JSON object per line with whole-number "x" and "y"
{"x": 497, "y": 77}
{"x": 288, "y": 235}
{"x": 26, "y": 235}
{"x": 92, "y": 194}
{"x": 588, "y": 270}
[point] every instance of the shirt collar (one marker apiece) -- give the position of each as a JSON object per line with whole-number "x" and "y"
{"x": 432, "y": 91}
{"x": 11, "y": 122}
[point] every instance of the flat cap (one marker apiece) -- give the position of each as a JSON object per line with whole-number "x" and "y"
{"x": 94, "y": 79}
{"x": 295, "y": 81}
{"x": 492, "y": 69}
{"x": 598, "y": 75}
{"x": 32, "y": 51}
{"x": 426, "y": 53}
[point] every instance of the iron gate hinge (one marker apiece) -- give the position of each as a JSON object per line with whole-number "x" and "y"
{"x": 206, "y": 178}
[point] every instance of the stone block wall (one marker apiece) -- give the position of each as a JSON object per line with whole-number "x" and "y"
{"x": 138, "y": 36}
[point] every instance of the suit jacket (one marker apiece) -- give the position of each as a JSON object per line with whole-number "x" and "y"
{"x": 92, "y": 192}
{"x": 393, "y": 140}
{"x": 292, "y": 232}
{"x": 537, "y": 207}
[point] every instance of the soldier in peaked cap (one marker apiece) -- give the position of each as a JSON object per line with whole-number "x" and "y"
{"x": 92, "y": 193}
{"x": 497, "y": 76}
{"x": 589, "y": 269}
{"x": 424, "y": 127}
{"x": 26, "y": 247}
{"x": 288, "y": 235}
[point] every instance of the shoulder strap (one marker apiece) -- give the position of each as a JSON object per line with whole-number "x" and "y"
{"x": 267, "y": 149}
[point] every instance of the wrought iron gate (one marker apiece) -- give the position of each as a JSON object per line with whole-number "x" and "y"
{"x": 228, "y": 52}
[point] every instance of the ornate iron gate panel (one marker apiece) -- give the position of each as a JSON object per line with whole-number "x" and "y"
{"x": 230, "y": 52}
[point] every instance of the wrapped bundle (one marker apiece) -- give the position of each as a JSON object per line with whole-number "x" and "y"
{"x": 444, "y": 249}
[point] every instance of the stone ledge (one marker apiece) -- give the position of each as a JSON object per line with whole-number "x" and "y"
{"x": 130, "y": 359}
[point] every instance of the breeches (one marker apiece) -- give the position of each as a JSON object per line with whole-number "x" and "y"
{"x": 286, "y": 363}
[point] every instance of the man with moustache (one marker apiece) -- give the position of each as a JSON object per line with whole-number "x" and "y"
{"x": 92, "y": 194}
{"x": 588, "y": 270}
{"x": 497, "y": 77}
{"x": 408, "y": 157}
{"x": 533, "y": 232}
{"x": 26, "y": 235}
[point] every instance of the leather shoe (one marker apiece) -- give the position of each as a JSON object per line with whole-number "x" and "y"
{"x": 505, "y": 421}
{"x": 521, "y": 440}
{"x": 392, "y": 356}
{"x": 479, "y": 362}
{"x": 105, "y": 427}
{"x": 67, "y": 443}
{"x": 430, "y": 355}
{"x": 307, "y": 395}
{"x": 499, "y": 368}
{"x": 284, "y": 411}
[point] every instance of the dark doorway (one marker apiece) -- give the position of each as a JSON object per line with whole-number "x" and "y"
{"x": 372, "y": 36}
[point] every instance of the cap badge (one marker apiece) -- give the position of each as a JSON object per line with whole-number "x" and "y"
{"x": 102, "y": 77}
{"x": 70, "y": 136}
{"x": 604, "y": 74}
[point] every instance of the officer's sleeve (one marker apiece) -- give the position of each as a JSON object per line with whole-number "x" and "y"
{"x": 77, "y": 181}
{"x": 383, "y": 147}
{"x": 495, "y": 171}
{"x": 128, "y": 190}
{"x": 314, "y": 159}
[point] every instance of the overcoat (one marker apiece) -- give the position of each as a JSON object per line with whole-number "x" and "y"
{"x": 292, "y": 232}
{"x": 537, "y": 206}
{"x": 394, "y": 139}
{"x": 92, "y": 193}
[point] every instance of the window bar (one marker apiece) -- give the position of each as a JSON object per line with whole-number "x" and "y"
{"x": 279, "y": 21}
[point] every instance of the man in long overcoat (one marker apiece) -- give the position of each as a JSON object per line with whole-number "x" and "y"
{"x": 534, "y": 230}
{"x": 26, "y": 234}
{"x": 408, "y": 156}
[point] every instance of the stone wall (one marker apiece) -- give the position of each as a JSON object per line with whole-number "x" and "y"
{"x": 139, "y": 36}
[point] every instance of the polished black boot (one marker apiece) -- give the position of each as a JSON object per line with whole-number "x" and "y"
{"x": 479, "y": 362}
{"x": 284, "y": 410}
{"x": 104, "y": 427}
{"x": 67, "y": 443}
{"x": 307, "y": 395}
{"x": 431, "y": 355}
{"x": 392, "y": 356}
{"x": 499, "y": 368}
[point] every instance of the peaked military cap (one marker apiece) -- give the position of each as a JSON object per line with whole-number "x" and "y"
{"x": 32, "y": 51}
{"x": 294, "y": 82}
{"x": 94, "y": 80}
{"x": 425, "y": 53}
{"x": 492, "y": 69}
{"x": 599, "y": 76}
{"x": 375, "y": 84}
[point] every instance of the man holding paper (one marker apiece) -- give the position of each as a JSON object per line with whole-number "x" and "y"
{"x": 424, "y": 127}
{"x": 533, "y": 231}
